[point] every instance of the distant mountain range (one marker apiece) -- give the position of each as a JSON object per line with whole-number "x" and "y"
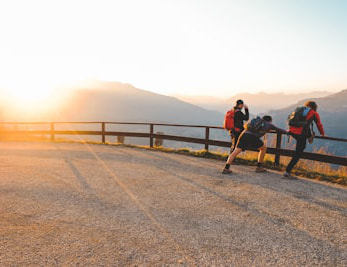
{"x": 113, "y": 101}
{"x": 258, "y": 103}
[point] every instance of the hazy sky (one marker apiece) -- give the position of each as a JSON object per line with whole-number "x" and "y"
{"x": 202, "y": 47}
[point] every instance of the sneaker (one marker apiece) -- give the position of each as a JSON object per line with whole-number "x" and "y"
{"x": 227, "y": 171}
{"x": 260, "y": 169}
{"x": 287, "y": 175}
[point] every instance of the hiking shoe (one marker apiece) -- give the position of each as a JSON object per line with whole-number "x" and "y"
{"x": 287, "y": 175}
{"x": 227, "y": 171}
{"x": 260, "y": 169}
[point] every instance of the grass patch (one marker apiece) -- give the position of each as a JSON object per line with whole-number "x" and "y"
{"x": 317, "y": 170}
{"x": 250, "y": 159}
{"x": 330, "y": 175}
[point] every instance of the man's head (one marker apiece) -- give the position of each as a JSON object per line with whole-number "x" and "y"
{"x": 239, "y": 104}
{"x": 312, "y": 105}
{"x": 267, "y": 118}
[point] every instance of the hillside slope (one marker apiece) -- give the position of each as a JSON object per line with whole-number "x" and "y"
{"x": 112, "y": 101}
{"x": 258, "y": 103}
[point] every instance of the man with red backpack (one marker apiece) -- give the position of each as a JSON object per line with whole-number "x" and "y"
{"x": 234, "y": 120}
{"x": 299, "y": 127}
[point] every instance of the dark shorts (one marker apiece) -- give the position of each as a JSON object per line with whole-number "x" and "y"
{"x": 249, "y": 142}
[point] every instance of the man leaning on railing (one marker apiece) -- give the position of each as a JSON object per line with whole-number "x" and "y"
{"x": 250, "y": 139}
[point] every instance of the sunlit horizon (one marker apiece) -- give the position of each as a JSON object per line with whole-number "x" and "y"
{"x": 194, "y": 48}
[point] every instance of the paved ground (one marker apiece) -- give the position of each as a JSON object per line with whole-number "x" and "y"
{"x": 74, "y": 204}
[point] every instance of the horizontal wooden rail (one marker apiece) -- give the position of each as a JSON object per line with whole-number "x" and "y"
{"x": 206, "y": 141}
{"x": 130, "y": 134}
{"x": 181, "y": 138}
{"x": 331, "y": 138}
{"x": 311, "y": 156}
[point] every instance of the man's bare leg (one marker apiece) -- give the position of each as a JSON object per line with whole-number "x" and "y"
{"x": 230, "y": 159}
{"x": 261, "y": 156}
{"x": 233, "y": 155}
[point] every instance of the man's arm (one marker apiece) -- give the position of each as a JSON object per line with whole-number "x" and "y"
{"x": 279, "y": 130}
{"x": 319, "y": 124}
{"x": 247, "y": 113}
{"x": 242, "y": 116}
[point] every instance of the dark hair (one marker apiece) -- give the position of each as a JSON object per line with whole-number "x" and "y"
{"x": 311, "y": 104}
{"x": 267, "y": 118}
{"x": 239, "y": 102}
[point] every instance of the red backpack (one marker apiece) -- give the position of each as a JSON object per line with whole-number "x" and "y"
{"x": 229, "y": 120}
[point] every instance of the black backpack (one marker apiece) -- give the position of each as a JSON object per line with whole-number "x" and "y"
{"x": 255, "y": 125}
{"x": 298, "y": 117}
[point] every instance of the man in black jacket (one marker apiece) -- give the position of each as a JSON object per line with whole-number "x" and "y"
{"x": 239, "y": 118}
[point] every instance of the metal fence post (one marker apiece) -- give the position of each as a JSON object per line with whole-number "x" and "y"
{"x": 278, "y": 146}
{"x": 52, "y": 131}
{"x": 103, "y": 132}
{"x": 151, "y": 130}
{"x": 207, "y": 137}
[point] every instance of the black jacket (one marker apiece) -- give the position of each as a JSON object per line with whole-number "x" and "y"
{"x": 239, "y": 119}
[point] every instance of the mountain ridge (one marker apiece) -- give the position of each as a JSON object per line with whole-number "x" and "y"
{"x": 126, "y": 102}
{"x": 269, "y": 101}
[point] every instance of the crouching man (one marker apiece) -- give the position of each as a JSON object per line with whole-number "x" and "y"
{"x": 250, "y": 139}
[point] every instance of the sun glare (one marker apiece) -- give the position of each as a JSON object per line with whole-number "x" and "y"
{"x": 29, "y": 93}
{"x": 35, "y": 87}
{"x": 30, "y": 96}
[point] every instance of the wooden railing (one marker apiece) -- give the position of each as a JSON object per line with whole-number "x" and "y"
{"x": 278, "y": 151}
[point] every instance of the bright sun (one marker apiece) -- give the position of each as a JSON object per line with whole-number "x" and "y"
{"x": 32, "y": 100}
{"x": 33, "y": 81}
{"x": 30, "y": 93}
{"x": 30, "y": 86}
{"x": 29, "y": 96}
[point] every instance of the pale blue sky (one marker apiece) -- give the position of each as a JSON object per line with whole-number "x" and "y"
{"x": 206, "y": 47}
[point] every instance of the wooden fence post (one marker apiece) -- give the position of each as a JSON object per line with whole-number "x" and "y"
{"x": 103, "y": 132}
{"x": 207, "y": 137}
{"x": 52, "y": 131}
{"x": 278, "y": 146}
{"x": 151, "y": 130}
